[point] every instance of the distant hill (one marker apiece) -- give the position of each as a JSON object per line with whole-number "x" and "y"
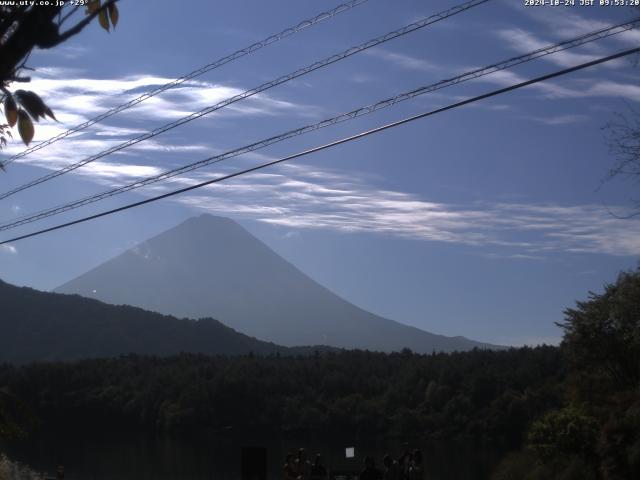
{"x": 212, "y": 267}
{"x": 39, "y": 326}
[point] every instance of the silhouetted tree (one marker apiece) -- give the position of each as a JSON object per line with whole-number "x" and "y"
{"x": 623, "y": 138}
{"x": 597, "y": 433}
{"x": 603, "y": 333}
{"x": 25, "y": 26}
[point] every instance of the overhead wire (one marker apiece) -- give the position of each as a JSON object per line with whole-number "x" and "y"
{"x": 473, "y": 74}
{"x": 335, "y": 143}
{"x": 254, "y": 47}
{"x": 249, "y": 93}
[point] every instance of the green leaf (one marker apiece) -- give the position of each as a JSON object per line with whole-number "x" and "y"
{"x": 10, "y": 110}
{"x": 25, "y": 127}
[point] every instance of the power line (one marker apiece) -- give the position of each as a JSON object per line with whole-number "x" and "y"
{"x": 249, "y": 93}
{"x": 329, "y": 145}
{"x": 195, "y": 73}
{"x": 541, "y": 52}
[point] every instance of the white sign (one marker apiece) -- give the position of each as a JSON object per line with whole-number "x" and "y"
{"x": 350, "y": 452}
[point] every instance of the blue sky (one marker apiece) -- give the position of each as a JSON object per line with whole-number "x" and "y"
{"x": 486, "y": 221}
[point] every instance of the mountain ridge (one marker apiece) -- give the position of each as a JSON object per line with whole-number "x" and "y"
{"x": 43, "y": 326}
{"x": 210, "y": 266}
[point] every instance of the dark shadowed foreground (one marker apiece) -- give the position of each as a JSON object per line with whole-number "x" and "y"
{"x": 146, "y": 416}
{"x": 567, "y": 412}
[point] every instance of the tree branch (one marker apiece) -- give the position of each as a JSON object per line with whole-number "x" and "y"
{"x": 64, "y": 19}
{"x": 82, "y": 24}
{"x": 11, "y": 17}
{"x": 35, "y": 27}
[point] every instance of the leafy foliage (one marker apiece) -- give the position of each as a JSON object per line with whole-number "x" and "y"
{"x": 38, "y": 326}
{"x": 25, "y": 26}
{"x": 602, "y": 335}
{"x": 524, "y": 465}
{"x": 10, "y": 470}
{"x": 355, "y": 391}
{"x": 14, "y": 417}
{"x": 596, "y": 434}
{"x": 25, "y": 127}
{"x": 564, "y": 432}
{"x": 4, "y": 133}
{"x": 623, "y": 139}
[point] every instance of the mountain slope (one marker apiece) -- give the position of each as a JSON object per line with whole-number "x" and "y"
{"x": 39, "y": 326}
{"x": 212, "y": 267}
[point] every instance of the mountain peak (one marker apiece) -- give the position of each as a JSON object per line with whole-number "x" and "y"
{"x": 210, "y": 266}
{"x": 207, "y": 220}
{"x": 209, "y": 217}
{"x": 38, "y": 326}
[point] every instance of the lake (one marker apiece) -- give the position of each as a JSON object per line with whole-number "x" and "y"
{"x": 134, "y": 456}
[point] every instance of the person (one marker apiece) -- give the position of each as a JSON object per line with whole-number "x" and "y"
{"x": 416, "y": 470}
{"x": 370, "y": 471}
{"x": 404, "y": 465}
{"x": 289, "y": 470}
{"x": 318, "y": 471}
{"x": 391, "y": 470}
{"x": 303, "y": 467}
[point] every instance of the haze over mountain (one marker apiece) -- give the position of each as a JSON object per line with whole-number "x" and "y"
{"x": 41, "y": 326}
{"x": 212, "y": 267}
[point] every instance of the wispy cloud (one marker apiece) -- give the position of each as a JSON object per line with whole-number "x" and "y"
{"x": 403, "y": 60}
{"x": 559, "y": 119}
{"x": 69, "y": 52}
{"x": 76, "y": 98}
{"x": 83, "y": 96}
{"x": 298, "y": 197}
{"x": 511, "y": 256}
{"x": 566, "y": 23}
{"x": 580, "y": 88}
{"x": 362, "y": 78}
{"x": 8, "y": 249}
{"x": 523, "y": 41}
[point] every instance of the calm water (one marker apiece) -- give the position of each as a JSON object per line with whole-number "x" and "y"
{"x": 140, "y": 457}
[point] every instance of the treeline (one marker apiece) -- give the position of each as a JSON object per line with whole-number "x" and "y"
{"x": 481, "y": 394}
{"x": 568, "y": 412}
{"x": 595, "y": 434}
{"x": 40, "y": 326}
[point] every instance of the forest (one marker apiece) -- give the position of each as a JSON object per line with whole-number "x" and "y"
{"x": 41, "y": 326}
{"x": 564, "y": 412}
